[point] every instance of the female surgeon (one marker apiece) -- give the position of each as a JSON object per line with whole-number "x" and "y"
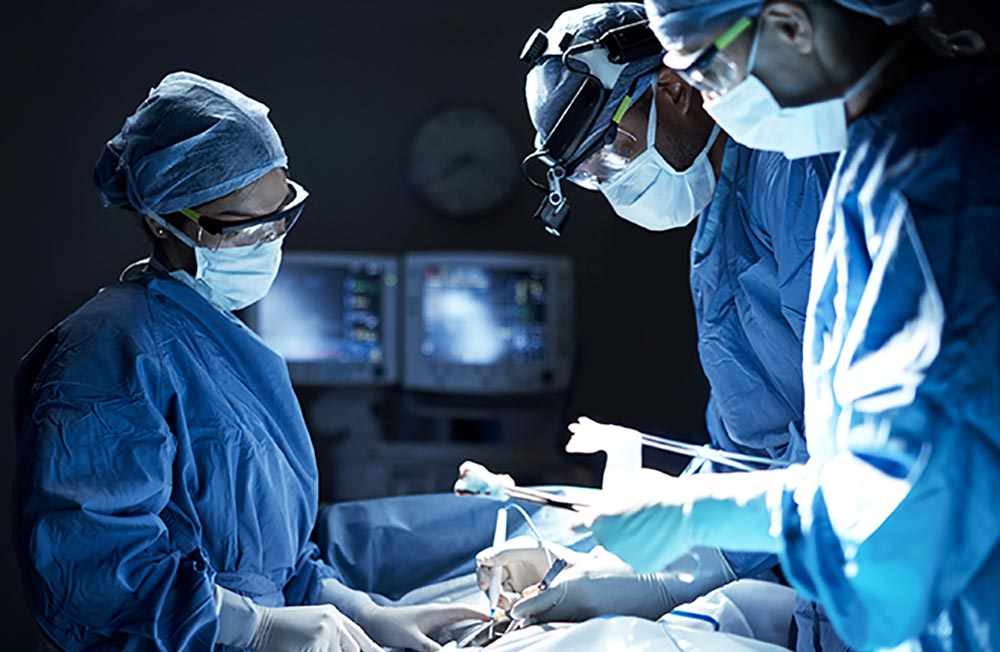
{"x": 166, "y": 484}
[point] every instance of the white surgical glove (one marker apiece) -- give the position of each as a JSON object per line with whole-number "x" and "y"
{"x": 402, "y": 627}
{"x": 321, "y": 628}
{"x": 523, "y": 561}
{"x": 409, "y": 627}
{"x": 649, "y": 529}
{"x": 604, "y": 585}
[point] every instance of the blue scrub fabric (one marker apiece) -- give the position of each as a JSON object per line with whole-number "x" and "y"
{"x": 161, "y": 450}
{"x": 902, "y": 364}
{"x": 750, "y": 264}
{"x": 750, "y": 269}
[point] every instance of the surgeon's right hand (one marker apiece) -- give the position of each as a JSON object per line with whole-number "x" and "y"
{"x": 320, "y": 628}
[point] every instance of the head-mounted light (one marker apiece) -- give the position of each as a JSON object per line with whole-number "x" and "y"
{"x": 599, "y": 63}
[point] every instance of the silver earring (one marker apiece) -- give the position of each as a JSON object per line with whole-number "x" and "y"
{"x": 160, "y": 232}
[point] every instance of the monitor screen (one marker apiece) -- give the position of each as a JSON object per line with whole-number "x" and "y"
{"x": 332, "y": 317}
{"x": 487, "y": 322}
{"x": 476, "y": 315}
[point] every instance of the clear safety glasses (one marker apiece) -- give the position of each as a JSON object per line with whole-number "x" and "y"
{"x": 714, "y": 72}
{"x": 611, "y": 159}
{"x": 214, "y": 233}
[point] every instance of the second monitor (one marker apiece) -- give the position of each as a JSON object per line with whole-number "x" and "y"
{"x": 487, "y": 322}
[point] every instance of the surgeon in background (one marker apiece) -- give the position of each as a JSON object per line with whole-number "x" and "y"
{"x": 660, "y": 165}
{"x": 167, "y": 485}
{"x": 892, "y": 524}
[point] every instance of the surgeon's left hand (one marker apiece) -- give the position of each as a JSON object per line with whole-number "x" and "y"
{"x": 650, "y": 527}
{"x": 409, "y": 627}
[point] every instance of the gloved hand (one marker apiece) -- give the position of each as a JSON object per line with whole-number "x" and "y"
{"x": 408, "y": 627}
{"x": 404, "y": 627}
{"x": 603, "y": 585}
{"x": 649, "y": 529}
{"x": 321, "y": 628}
{"x": 522, "y": 561}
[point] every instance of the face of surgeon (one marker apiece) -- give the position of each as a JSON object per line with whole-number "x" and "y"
{"x": 682, "y": 130}
{"x": 802, "y": 56}
{"x": 256, "y": 199}
{"x": 682, "y": 126}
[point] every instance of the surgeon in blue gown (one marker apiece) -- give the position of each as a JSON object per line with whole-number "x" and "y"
{"x": 756, "y": 211}
{"x": 166, "y": 483}
{"x": 892, "y": 524}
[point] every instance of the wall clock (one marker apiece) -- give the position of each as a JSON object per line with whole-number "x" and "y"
{"x": 463, "y": 162}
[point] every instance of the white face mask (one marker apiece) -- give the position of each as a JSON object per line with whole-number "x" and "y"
{"x": 651, "y": 193}
{"x": 750, "y": 114}
{"x": 232, "y": 278}
{"x": 752, "y": 117}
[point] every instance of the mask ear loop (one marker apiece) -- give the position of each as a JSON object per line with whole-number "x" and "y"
{"x": 651, "y": 126}
{"x": 752, "y": 59}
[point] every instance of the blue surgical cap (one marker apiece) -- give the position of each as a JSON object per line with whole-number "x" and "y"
{"x": 550, "y": 85}
{"x": 191, "y": 140}
{"x": 677, "y": 22}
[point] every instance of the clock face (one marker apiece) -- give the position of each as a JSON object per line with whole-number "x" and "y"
{"x": 463, "y": 162}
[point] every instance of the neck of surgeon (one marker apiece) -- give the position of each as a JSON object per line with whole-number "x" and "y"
{"x": 173, "y": 254}
{"x": 896, "y": 67}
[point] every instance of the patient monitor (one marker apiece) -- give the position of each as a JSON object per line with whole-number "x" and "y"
{"x": 487, "y": 323}
{"x": 333, "y": 318}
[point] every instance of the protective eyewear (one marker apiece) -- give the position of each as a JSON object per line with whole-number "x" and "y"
{"x": 713, "y": 71}
{"x": 214, "y": 233}
{"x": 607, "y": 162}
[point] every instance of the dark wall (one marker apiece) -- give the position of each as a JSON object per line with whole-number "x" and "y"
{"x": 348, "y": 84}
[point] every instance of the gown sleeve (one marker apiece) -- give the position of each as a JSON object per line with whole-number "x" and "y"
{"x": 95, "y": 471}
{"x": 901, "y": 516}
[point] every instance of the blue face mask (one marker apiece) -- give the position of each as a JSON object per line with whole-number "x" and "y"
{"x": 232, "y": 278}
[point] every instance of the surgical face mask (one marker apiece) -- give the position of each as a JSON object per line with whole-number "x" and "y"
{"x": 651, "y": 193}
{"x": 232, "y": 278}
{"x": 751, "y": 115}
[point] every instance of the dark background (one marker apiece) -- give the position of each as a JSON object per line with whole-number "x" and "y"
{"x": 348, "y": 85}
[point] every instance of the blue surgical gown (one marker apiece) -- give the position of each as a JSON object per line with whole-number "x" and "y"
{"x": 750, "y": 264}
{"x": 161, "y": 451}
{"x": 896, "y": 526}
